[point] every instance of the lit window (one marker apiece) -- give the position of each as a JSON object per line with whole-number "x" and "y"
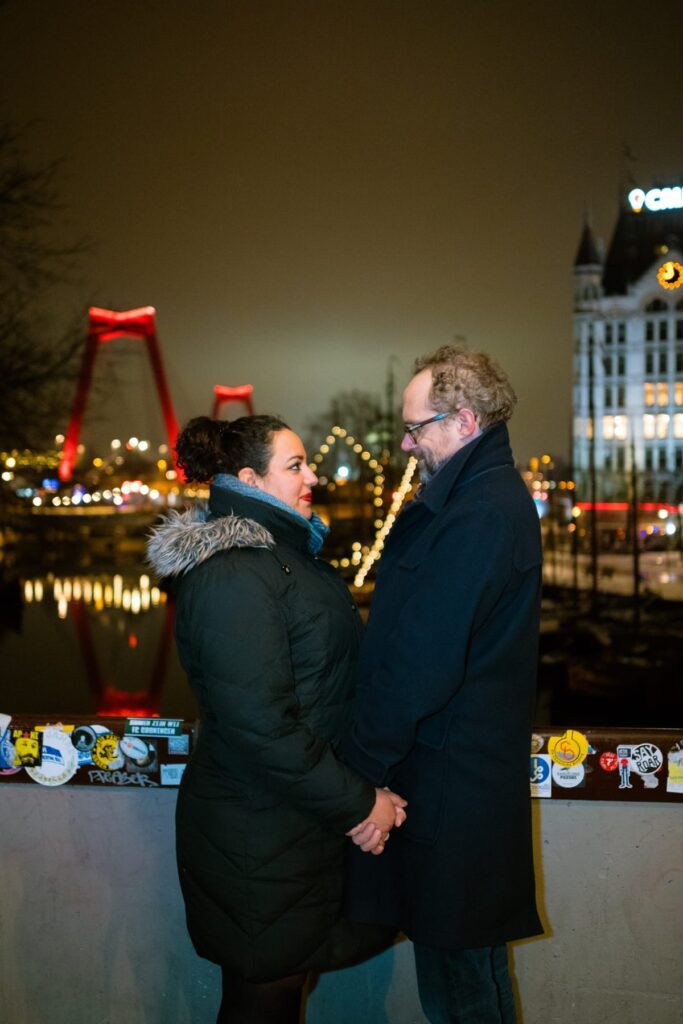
{"x": 621, "y": 427}
{"x": 662, "y": 394}
{"x": 589, "y": 429}
{"x": 663, "y": 425}
{"x": 648, "y": 426}
{"x": 678, "y": 392}
{"x": 678, "y": 424}
{"x": 578, "y": 425}
{"x": 649, "y": 394}
{"x": 608, "y": 427}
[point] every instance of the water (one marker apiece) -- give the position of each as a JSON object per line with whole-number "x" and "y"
{"x": 89, "y": 643}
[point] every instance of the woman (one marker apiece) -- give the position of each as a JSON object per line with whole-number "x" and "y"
{"x": 269, "y": 637}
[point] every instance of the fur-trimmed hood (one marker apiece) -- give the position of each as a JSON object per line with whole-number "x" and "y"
{"x": 183, "y": 540}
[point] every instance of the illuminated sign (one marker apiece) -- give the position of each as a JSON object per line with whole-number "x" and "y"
{"x": 656, "y": 199}
{"x": 670, "y": 275}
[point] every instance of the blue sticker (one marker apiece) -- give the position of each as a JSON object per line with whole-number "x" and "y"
{"x": 539, "y": 775}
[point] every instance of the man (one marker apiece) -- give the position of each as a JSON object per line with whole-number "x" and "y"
{"x": 446, "y": 697}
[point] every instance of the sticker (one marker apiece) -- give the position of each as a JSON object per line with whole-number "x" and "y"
{"x": 153, "y": 726}
{"x": 569, "y": 778}
{"x": 28, "y": 746}
{"x": 171, "y": 774}
{"x": 179, "y": 744}
{"x": 674, "y": 779}
{"x": 139, "y": 754}
{"x": 4, "y": 723}
{"x": 106, "y": 754}
{"x": 536, "y": 743}
{"x": 59, "y": 762}
{"x": 8, "y": 755}
{"x": 609, "y": 762}
{"x": 83, "y": 738}
{"x": 539, "y": 775}
{"x": 625, "y": 765}
{"x": 569, "y": 749}
{"x": 647, "y": 758}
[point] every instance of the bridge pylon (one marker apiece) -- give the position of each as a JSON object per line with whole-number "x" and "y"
{"x": 106, "y": 325}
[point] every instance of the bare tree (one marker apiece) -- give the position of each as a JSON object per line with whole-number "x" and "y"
{"x": 359, "y": 412}
{"x": 38, "y": 352}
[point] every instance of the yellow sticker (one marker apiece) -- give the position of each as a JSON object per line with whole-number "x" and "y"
{"x": 106, "y": 753}
{"x": 568, "y": 750}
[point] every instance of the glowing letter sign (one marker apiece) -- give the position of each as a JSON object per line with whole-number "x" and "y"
{"x": 656, "y": 199}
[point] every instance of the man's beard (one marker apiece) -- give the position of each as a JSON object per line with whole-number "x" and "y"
{"x": 429, "y": 465}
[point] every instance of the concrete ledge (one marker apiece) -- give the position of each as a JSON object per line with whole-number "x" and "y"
{"x": 93, "y": 925}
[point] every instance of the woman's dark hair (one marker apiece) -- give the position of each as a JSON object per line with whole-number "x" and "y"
{"x": 206, "y": 447}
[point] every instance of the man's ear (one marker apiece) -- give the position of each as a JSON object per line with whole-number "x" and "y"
{"x": 467, "y": 421}
{"x": 247, "y": 476}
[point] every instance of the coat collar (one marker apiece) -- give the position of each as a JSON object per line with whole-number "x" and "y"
{"x": 284, "y": 528}
{"x": 491, "y": 450}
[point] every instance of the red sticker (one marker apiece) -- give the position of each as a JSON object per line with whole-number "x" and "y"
{"x": 609, "y": 761}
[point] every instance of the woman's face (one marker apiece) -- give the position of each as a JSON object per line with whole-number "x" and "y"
{"x": 288, "y": 476}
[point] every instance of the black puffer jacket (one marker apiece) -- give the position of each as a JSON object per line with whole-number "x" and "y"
{"x": 269, "y": 638}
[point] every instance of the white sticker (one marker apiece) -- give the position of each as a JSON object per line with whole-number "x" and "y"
{"x": 60, "y": 760}
{"x": 171, "y": 774}
{"x": 539, "y": 775}
{"x": 570, "y": 777}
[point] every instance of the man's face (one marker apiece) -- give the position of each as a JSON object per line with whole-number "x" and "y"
{"x": 436, "y": 442}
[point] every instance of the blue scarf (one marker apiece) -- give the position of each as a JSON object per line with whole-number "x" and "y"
{"x": 317, "y": 531}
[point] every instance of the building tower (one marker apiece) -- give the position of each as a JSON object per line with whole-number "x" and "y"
{"x": 628, "y": 351}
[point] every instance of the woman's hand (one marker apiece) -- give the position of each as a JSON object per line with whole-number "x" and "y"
{"x": 388, "y": 812}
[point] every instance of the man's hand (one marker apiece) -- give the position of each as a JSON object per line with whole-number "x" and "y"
{"x": 387, "y": 813}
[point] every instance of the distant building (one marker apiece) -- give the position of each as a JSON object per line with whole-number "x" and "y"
{"x": 628, "y": 322}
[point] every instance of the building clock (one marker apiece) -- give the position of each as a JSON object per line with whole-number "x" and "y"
{"x": 670, "y": 275}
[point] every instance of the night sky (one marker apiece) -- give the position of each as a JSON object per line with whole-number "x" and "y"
{"x": 305, "y": 189}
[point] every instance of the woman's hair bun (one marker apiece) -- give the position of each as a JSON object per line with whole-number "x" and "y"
{"x": 206, "y": 447}
{"x": 199, "y": 450}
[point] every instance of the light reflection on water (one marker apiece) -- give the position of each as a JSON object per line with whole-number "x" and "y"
{"x": 99, "y": 643}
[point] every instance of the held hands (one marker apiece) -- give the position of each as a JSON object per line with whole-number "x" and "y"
{"x": 388, "y": 813}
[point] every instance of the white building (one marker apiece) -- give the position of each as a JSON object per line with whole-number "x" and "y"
{"x": 628, "y": 321}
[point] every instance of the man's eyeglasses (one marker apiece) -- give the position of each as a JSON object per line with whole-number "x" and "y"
{"x": 411, "y": 429}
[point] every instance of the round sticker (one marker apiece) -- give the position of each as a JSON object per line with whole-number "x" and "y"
{"x": 647, "y": 758}
{"x": 569, "y": 749}
{"x": 83, "y": 738}
{"x": 106, "y": 753}
{"x": 609, "y": 761}
{"x": 568, "y": 777}
{"x": 536, "y": 743}
{"x": 59, "y": 762}
{"x": 140, "y": 752}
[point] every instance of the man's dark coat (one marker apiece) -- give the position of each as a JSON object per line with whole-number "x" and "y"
{"x": 445, "y": 707}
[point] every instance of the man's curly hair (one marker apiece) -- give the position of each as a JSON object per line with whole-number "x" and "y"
{"x": 472, "y": 380}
